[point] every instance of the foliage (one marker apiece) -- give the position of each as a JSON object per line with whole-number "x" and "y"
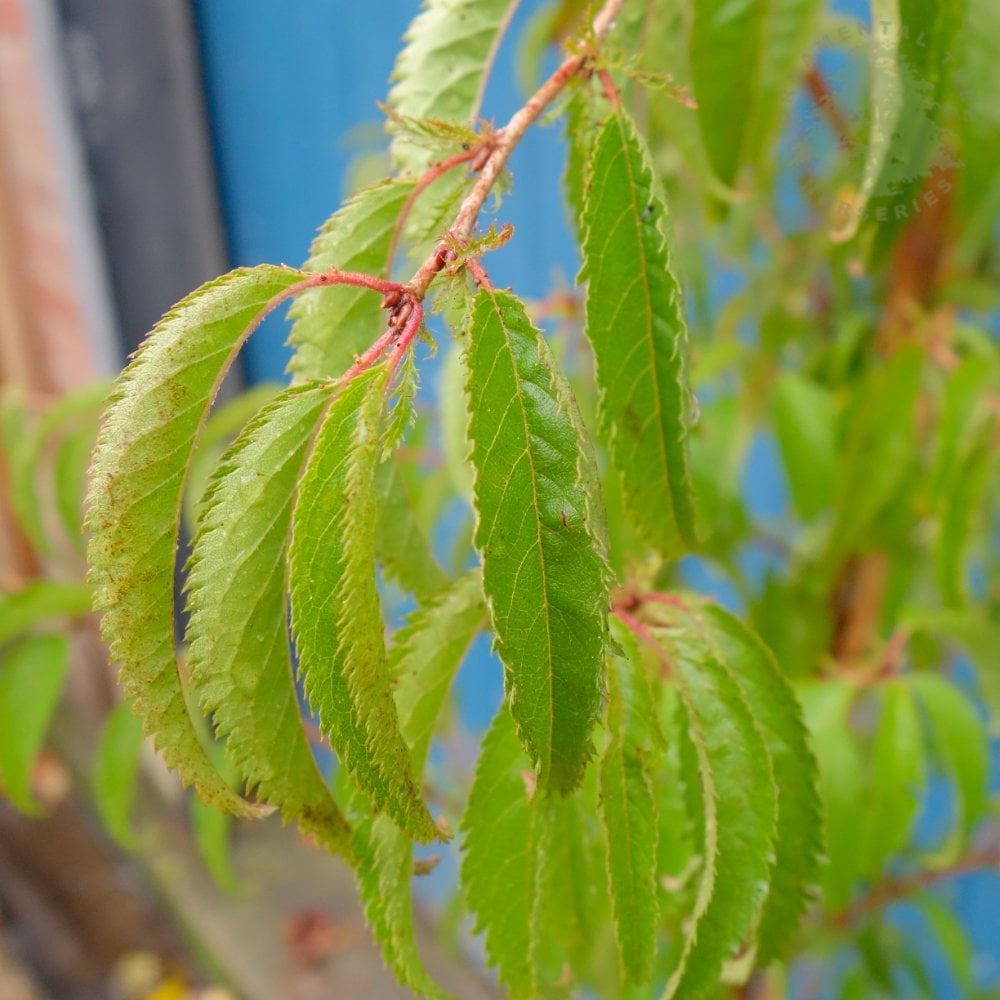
{"x": 674, "y": 797}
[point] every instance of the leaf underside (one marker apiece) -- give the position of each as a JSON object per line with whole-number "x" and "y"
{"x": 238, "y": 628}
{"x": 336, "y": 613}
{"x": 138, "y": 475}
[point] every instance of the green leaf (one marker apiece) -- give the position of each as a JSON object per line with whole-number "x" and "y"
{"x": 237, "y": 631}
{"x": 69, "y": 475}
{"x": 138, "y": 476}
{"x": 224, "y": 423}
{"x": 582, "y": 126}
{"x": 878, "y": 446}
{"x": 212, "y": 831}
{"x": 962, "y": 746}
{"x": 401, "y": 546}
{"x": 543, "y": 572}
{"x": 501, "y": 871}
{"x": 965, "y": 508}
{"x": 571, "y": 918}
{"x": 424, "y": 660}
{"x": 727, "y": 44}
{"x": 439, "y": 72}
{"x": 335, "y": 323}
{"x": 897, "y": 779}
{"x": 805, "y": 423}
{"x": 788, "y": 31}
{"x": 635, "y": 323}
{"x": 924, "y": 65}
{"x": 885, "y": 106}
{"x": 628, "y": 808}
{"x": 454, "y": 420}
{"x": 39, "y": 601}
{"x": 385, "y": 877}
{"x": 952, "y": 939}
{"x": 842, "y": 768}
{"x": 69, "y": 423}
{"x": 115, "y": 769}
{"x": 428, "y": 652}
{"x": 31, "y": 679}
{"x": 776, "y": 711}
{"x": 336, "y": 614}
{"x": 740, "y": 803}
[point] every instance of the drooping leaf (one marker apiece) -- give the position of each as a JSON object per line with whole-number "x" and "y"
{"x": 897, "y": 771}
{"x": 385, "y": 877}
{"x": 454, "y": 421}
{"x": 964, "y": 510}
{"x": 501, "y": 871}
{"x": 571, "y": 917}
{"x": 212, "y": 834}
{"x": 237, "y": 632}
{"x": 224, "y": 422}
{"x": 336, "y": 614}
{"x": 877, "y": 446}
{"x": 401, "y": 547}
{"x": 31, "y": 679}
{"x": 962, "y": 747}
{"x": 542, "y": 570}
{"x": 841, "y": 783}
{"x": 115, "y": 769}
{"x": 331, "y": 325}
{"x": 884, "y": 108}
{"x": 727, "y": 44}
{"x": 39, "y": 601}
{"x": 920, "y": 139}
{"x": 740, "y": 805}
{"x": 138, "y": 475}
{"x": 628, "y": 808}
{"x": 797, "y": 847}
{"x": 952, "y": 938}
{"x": 69, "y": 480}
{"x": 635, "y": 323}
{"x": 439, "y": 71}
{"x": 787, "y": 35}
{"x": 424, "y": 660}
{"x": 805, "y": 424}
{"x": 426, "y": 655}
{"x": 28, "y": 445}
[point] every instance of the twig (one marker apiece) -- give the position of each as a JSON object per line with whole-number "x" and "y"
{"x": 491, "y": 58}
{"x": 436, "y": 170}
{"x": 608, "y": 86}
{"x": 478, "y": 272}
{"x": 506, "y": 141}
{"x": 893, "y": 890}
{"x": 824, "y": 99}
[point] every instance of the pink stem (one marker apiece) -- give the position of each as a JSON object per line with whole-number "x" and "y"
{"x": 637, "y": 627}
{"x": 478, "y": 272}
{"x": 337, "y": 277}
{"x": 366, "y": 360}
{"x": 609, "y": 88}
{"x": 410, "y": 331}
{"x": 436, "y": 171}
{"x": 674, "y": 602}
